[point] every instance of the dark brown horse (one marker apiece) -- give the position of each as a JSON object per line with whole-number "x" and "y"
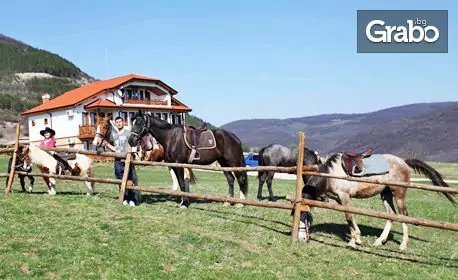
{"x": 228, "y": 151}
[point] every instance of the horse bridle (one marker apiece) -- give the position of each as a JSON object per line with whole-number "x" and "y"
{"x": 144, "y": 128}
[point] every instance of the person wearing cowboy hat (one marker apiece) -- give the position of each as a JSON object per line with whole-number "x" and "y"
{"x": 49, "y": 141}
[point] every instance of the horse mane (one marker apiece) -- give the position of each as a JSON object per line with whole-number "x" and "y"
{"x": 158, "y": 123}
{"x": 324, "y": 168}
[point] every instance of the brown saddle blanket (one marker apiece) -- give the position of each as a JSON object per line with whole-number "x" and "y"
{"x": 199, "y": 138}
{"x": 353, "y": 161}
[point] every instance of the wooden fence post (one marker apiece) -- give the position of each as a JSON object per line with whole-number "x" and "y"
{"x": 13, "y": 163}
{"x": 125, "y": 175}
{"x": 299, "y": 185}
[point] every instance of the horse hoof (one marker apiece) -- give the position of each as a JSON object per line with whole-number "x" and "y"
{"x": 273, "y": 199}
{"x": 239, "y": 205}
{"x": 226, "y": 204}
{"x": 352, "y": 244}
{"x": 358, "y": 241}
{"x": 30, "y": 189}
{"x": 403, "y": 247}
{"x": 259, "y": 198}
{"x": 378, "y": 243}
{"x": 183, "y": 207}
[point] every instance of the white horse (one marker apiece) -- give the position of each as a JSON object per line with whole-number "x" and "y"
{"x": 45, "y": 161}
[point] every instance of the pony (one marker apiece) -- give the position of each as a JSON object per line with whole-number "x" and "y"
{"x": 342, "y": 191}
{"x": 45, "y": 161}
{"x": 22, "y": 164}
{"x": 279, "y": 155}
{"x": 227, "y": 152}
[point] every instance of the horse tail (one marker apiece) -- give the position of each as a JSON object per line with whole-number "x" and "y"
{"x": 421, "y": 167}
{"x": 192, "y": 177}
{"x": 243, "y": 177}
{"x": 261, "y": 161}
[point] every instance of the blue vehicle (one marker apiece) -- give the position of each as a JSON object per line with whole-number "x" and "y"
{"x": 252, "y": 160}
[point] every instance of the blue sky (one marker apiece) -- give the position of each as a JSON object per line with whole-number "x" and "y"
{"x": 233, "y": 60}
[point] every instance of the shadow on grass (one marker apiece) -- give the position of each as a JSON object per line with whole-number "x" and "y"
{"x": 341, "y": 230}
{"x": 231, "y": 216}
{"x": 390, "y": 254}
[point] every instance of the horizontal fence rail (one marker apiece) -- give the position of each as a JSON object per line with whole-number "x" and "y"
{"x": 381, "y": 215}
{"x": 219, "y": 198}
{"x": 389, "y": 183}
{"x": 227, "y": 169}
{"x": 84, "y": 152}
{"x": 74, "y": 178}
{"x": 6, "y": 150}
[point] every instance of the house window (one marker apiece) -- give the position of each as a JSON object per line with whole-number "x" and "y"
{"x": 179, "y": 120}
{"x": 93, "y": 118}
{"x": 147, "y": 95}
{"x": 142, "y": 96}
{"x": 157, "y": 115}
{"x": 33, "y": 123}
{"x": 131, "y": 117}
{"x": 46, "y": 121}
{"x": 85, "y": 118}
{"x": 124, "y": 117}
{"x": 128, "y": 94}
{"x": 164, "y": 116}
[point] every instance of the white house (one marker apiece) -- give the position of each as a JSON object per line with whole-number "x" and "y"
{"x": 73, "y": 114}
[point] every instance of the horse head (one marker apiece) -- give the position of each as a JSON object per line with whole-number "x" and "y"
{"x": 103, "y": 130}
{"x": 140, "y": 126}
{"x": 24, "y": 158}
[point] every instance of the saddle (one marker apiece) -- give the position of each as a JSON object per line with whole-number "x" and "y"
{"x": 62, "y": 162}
{"x": 200, "y": 138}
{"x": 353, "y": 162}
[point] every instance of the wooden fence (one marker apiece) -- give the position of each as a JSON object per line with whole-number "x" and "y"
{"x": 297, "y": 203}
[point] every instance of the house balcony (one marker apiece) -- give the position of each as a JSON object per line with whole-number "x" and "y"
{"x": 86, "y": 131}
{"x": 146, "y": 102}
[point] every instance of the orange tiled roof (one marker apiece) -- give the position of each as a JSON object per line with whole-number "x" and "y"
{"x": 73, "y": 97}
{"x": 103, "y": 103}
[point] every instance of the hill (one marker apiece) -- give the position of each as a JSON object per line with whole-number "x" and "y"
{"x": 26, "y": 72}
{"x": 424, "y": 130}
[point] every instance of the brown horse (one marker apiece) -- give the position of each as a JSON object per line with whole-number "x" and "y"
{"x": 148, "y": 148}
{"x": 342, "y": 191}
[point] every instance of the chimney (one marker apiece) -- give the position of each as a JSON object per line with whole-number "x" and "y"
{"x": 45, "y": 97}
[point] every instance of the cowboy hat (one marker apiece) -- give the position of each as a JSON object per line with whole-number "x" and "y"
{"x": 47, "y": 129}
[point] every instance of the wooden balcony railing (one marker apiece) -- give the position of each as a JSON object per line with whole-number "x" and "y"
{"x": 87, "y": 131}
{"x": 145, "y": 102}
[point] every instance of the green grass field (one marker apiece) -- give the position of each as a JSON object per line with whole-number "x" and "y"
{"x": 72, "y": 236}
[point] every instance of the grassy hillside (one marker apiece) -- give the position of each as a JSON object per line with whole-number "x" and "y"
{"x": 79, "y": 237}
{"x": 17, "y": 57}
{"x": 196, "y": 121}
{"x": 400, "y": 130}
{"x": 18, "y": 94}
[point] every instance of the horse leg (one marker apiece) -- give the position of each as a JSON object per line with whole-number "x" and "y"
{"x": 22, "y": 181}
{"x": 262, "y": 176}
{"x": 90, "y": 185}
{"x": 52, "y": 186}
{"x": 400, "y": 196}
{"x": 32, "y": 181}
{"x": 230, "y": 181}
{"x": 175, "y": 184}
{"x": 355, "y": 233}
{"x": 270, "y": 177}
{"x": 387, "y": 198}
{"x": 179, "y": 172}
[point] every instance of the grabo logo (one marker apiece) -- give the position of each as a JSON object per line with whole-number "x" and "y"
{"x": 402, "y": 31}
{"x": 402, "y": 34}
